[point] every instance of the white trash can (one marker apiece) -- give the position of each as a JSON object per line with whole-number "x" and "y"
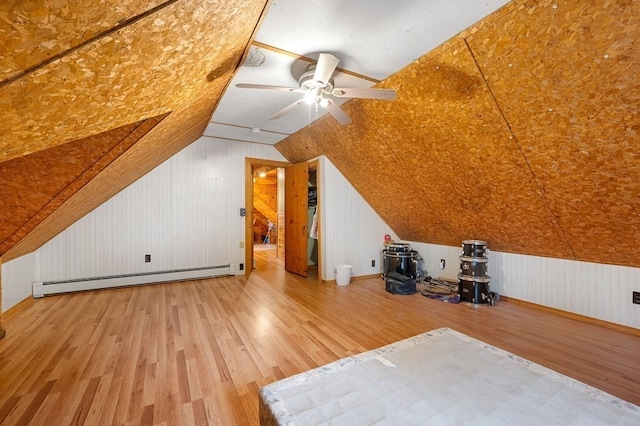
{"x": 343, "y": 274}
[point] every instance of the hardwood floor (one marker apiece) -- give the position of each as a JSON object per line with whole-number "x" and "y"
{"x": 198, "y": 352}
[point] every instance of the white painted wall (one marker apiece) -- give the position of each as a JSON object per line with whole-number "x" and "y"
{"x": 352, "y": 233}
{"x": 185, "y": 213}
{"x": 17, "y": 277}
{"x": 591, "y": 289}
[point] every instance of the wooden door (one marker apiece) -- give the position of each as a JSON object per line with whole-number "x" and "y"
{"x": 296, "y": 192}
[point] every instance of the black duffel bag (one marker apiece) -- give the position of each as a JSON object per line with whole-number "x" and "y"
{"x": 396, "y": 283}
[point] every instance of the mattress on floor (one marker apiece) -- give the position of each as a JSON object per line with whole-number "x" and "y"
{"x": 435, "y": 378}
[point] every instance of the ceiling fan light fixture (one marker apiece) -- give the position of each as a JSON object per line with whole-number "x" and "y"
{"x": 310, "y": 97}
{"x": 316, "y": 83}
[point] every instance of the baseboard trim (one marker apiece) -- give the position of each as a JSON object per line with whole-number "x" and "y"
{"x": 40, "y": 289}
{"x": 25, "y": 303}
{"x": 571, "y": 315}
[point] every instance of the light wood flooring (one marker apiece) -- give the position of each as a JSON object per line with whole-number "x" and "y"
{"x": 196, "y": 353}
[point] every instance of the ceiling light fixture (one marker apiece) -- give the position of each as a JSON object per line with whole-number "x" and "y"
{"x": 310, "y": 97}
{"x": 316, "y": 83}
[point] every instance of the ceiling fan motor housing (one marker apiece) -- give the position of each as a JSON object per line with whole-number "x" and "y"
{"x": 307, "y": 82}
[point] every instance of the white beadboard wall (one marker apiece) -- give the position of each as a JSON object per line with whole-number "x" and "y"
{"x": 591, "y": 289}
{"x": 185, "y": 213}
{"x": 17, "y": 277}
{"x": 352, "y": 233}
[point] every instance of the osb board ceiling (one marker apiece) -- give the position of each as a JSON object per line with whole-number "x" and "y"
{"x": 522, "y": 132}
{"x": 33, "y": 32}
{"x": 580, "y": 133}
{"x": 138, "y": 61}
{"x": 299, "y": 147}
{"x": 164, "y": 140}
{"x": 35, "y": 185}
{"x": 152, "y": 66}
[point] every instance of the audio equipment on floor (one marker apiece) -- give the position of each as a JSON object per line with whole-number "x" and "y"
{"x": 473, "y": 278}
{"x": 401, "y": 259}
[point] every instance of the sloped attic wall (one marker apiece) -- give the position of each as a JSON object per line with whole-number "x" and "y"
{"x": 522, "y": 131}
{"x": 82, "y": 72}
{"x": 35, "y": 185}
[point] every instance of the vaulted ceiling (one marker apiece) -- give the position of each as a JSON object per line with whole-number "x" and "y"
{"x": 522, "y": 129}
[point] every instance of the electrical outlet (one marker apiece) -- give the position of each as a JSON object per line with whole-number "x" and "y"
{"x": 241, "y": 244}
{"x": 442, "y": 263}
{"x": 242, "y": 266}
{"x": 147, "y": 258}
{"x": 373, "y": 263}
{"x": 636, "y": 297}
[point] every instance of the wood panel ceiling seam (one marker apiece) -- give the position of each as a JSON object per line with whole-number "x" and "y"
{"x": 311, "y": 60}
{"x": 123, "y": 24}
{"x": 514, "y": 138}
{"x": 242, "y": 59}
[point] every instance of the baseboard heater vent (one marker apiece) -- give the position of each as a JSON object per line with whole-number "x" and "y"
{"x": 40, "y": 288}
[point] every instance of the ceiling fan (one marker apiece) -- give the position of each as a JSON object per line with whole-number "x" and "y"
{"x": 317, "y": 86}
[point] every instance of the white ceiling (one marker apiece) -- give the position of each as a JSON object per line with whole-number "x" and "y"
{"x": 372, "y": 38}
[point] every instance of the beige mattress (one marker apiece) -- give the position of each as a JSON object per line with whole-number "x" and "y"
{"x": 440, "y": 377}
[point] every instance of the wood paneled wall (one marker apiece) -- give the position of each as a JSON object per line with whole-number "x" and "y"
{"x": 523, "y": 131}
{"x": 265, "y": 196}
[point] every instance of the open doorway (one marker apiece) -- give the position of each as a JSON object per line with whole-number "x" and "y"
{"x": 266, "y": 222}
{"x": 263, "y": 212}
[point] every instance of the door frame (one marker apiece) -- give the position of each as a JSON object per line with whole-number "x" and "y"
{"x": 249, "y": 164}
{"x": 315, "y": 165}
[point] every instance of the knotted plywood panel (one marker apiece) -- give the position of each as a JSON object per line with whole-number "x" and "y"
{"x": 565, "y": 74}
{"x": 155, "y": 65}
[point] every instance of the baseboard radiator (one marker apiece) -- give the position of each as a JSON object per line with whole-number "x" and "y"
{"x": 41, "y": 288}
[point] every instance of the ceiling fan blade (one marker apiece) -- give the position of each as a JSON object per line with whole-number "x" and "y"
{"x": 353, "y": 92}
{"x": 337, "y": 113}
{"x": 269, "y": 87}
{"x": 325, "y": 67}
{"x": 286, "y": 109}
